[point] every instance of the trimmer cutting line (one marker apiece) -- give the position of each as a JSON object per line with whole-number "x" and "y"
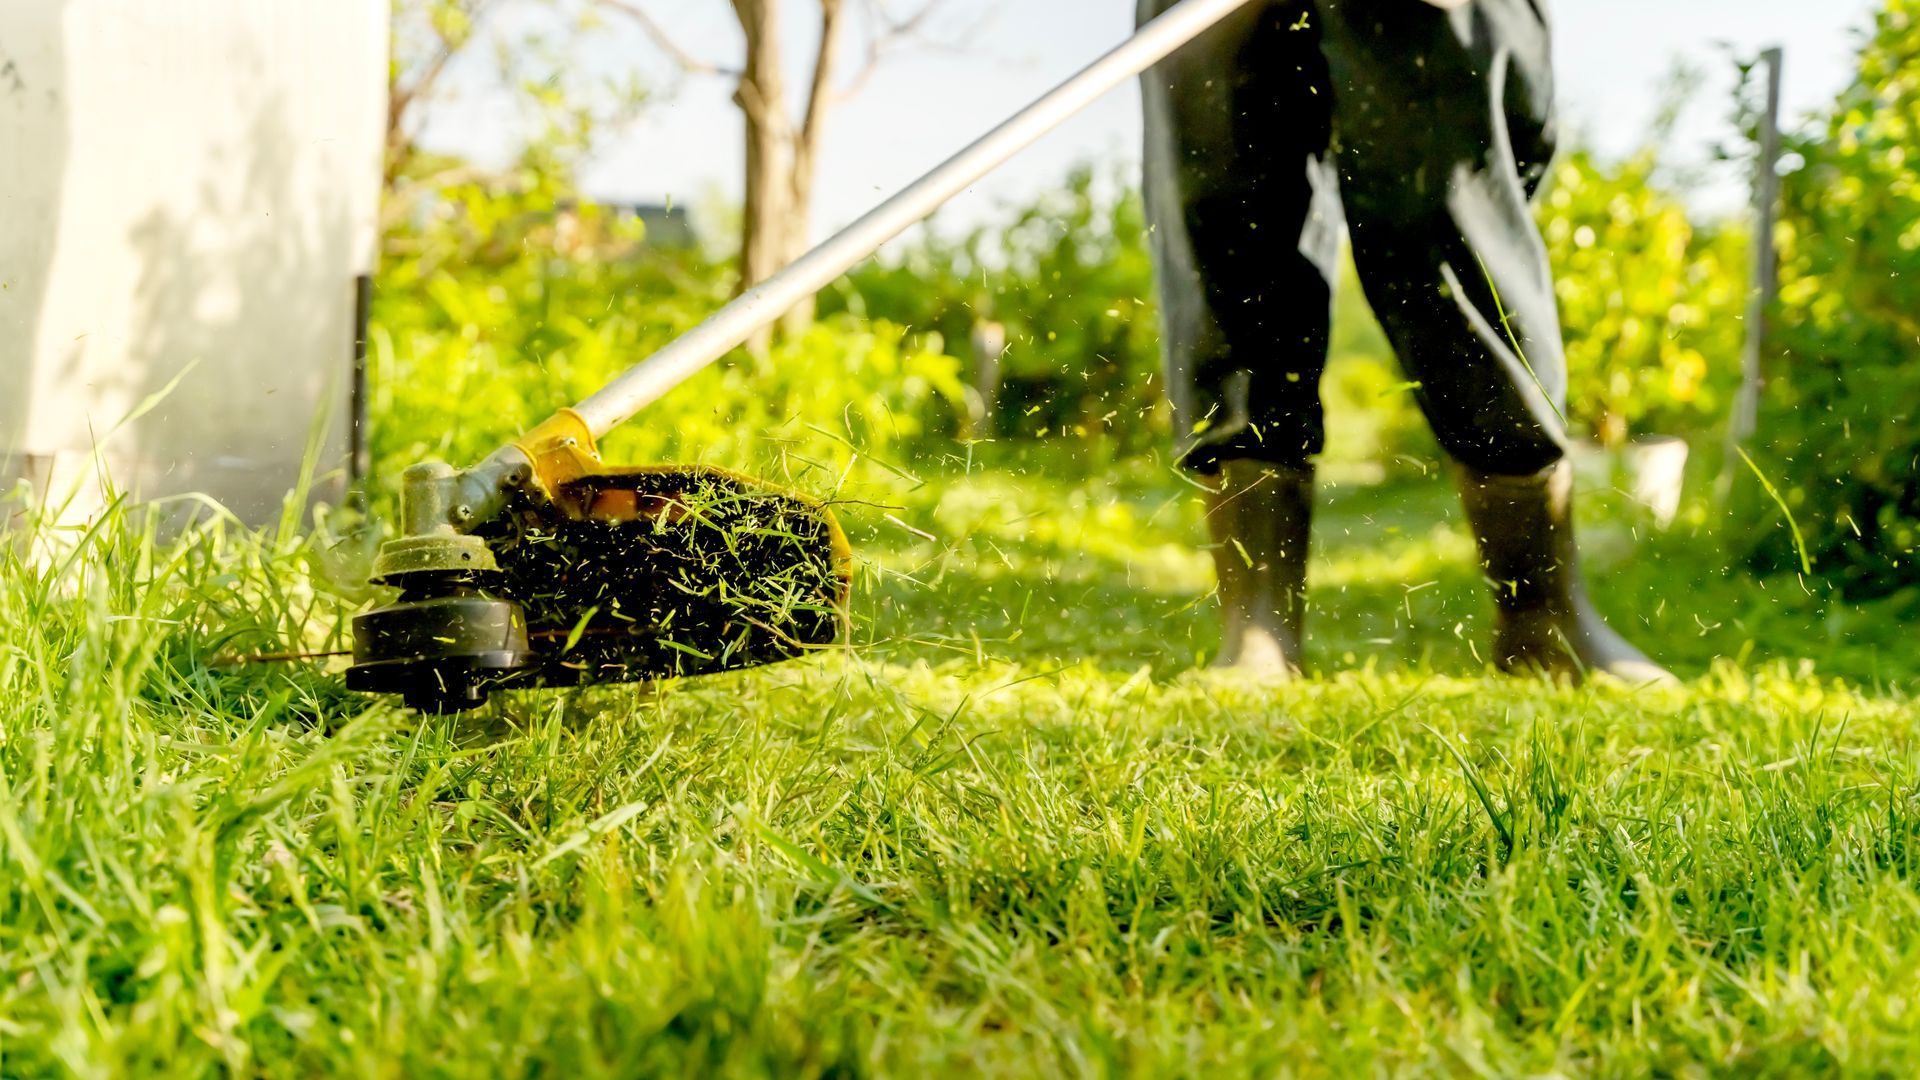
{"x": 542, "y": 566}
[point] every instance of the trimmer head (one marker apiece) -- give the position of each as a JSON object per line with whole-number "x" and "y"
{"x": 604, "y": 576}
{"x": 442, "y": 646}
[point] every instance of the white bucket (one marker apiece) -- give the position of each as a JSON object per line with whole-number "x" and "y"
{"x": 1656, "y": 468}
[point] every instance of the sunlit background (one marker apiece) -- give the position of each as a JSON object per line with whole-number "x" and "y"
{"x": 1018, "y": 825}
{"x": 977, "y": 61}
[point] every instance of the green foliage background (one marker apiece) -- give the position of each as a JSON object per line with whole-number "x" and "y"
{"x": 1650, "y": 300}
{"x": 1837, "y": 432}
{"x": 504, "y": 297}
{"x": 507, "y": 299}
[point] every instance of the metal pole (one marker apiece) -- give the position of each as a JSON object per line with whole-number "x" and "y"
{"x": 359, "y": 455}
{"x": 758, "y": 307}
{"x": 1766, "y": 262}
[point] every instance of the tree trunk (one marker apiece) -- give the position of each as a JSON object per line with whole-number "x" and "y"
{"x": 782, "y": 161}
{"x": 761, "y": 95}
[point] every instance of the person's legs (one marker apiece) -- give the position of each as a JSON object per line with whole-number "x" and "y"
{"x": 1442, "y": 131}
{"x": 1246, "y": 226}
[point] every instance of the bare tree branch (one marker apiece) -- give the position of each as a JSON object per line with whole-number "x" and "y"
{"x": 901, "y": 26}
{"x": 885, "y": 32}
{"x": 401, "y": 100}
{"x": 782, "y": 150}
{"x": 401, "y": 200}
{"x": 819, "y": 99}
{"x": 665, "y": 41}
{"x": 806, "y": 150}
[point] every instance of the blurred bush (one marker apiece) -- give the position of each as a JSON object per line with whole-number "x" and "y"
{"x": 1650, "y": 301}
{"x": 503, "y": 298}
{"x": 1837, "y": 433}
{"x": 1065, "y": 291}
{"x": 1374, "y": 425}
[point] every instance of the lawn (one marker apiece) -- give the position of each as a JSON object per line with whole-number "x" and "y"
{"x": 1014, "y": 829}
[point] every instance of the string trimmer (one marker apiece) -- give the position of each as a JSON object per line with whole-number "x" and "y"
{"x": 543, "y": 566}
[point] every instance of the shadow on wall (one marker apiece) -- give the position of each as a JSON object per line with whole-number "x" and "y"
{"x": 33, "y": 118}
{"x": 228, "y": 294}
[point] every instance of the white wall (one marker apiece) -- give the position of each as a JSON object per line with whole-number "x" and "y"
{"x": 184, "y": 184}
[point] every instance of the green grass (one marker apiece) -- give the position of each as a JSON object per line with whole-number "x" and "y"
{"x": 1013, "y": 831}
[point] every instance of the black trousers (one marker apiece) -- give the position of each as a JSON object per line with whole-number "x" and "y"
{"x": 1425, "y": 132}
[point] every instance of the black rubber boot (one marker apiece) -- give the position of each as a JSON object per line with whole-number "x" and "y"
{"x": 1543, "y": 621}
{"x": 1259, "y": 518}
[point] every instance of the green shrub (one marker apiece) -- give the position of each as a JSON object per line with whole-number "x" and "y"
{"x": 504, "y": 300}
{"x": 1837, "y": 433}
{"x": 1650, "y": 302}
{"x": 1070, "y": 278}
{"x": 1373, "y": 421}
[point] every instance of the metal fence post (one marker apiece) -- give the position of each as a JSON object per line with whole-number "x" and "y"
{"x": 1766, "y": 264}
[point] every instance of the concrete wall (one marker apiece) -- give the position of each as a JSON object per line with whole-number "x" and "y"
{"x": 185, "y": 186}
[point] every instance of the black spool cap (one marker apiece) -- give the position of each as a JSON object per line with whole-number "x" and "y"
{"x": 443, "y": 646}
